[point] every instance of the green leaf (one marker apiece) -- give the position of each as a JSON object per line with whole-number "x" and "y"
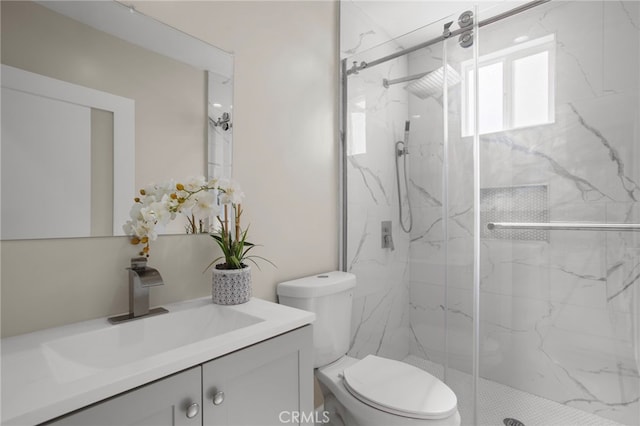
{"x": 235, "y": 253}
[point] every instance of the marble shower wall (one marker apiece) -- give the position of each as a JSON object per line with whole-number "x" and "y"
{"x": 559, "y": 318}
{"x": 376, "y": 117}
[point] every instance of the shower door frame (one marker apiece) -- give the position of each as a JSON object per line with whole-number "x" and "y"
{"x": 345, "y": 71}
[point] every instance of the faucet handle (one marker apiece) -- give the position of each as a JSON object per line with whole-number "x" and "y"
{"x": 138, "y": 263}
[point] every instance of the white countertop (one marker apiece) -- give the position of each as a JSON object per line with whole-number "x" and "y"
{"x": 51, "y": 372}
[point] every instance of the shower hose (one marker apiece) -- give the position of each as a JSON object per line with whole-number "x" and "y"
{"x": 401, "y": 152}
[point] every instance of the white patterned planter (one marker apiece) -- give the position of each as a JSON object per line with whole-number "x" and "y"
{"x": 231, "y": 286}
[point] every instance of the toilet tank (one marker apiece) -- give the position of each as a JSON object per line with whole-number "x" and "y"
{"x": 330, "y": 297}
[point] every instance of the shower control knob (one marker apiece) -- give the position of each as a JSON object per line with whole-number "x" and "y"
{"x": 218, "y": 398}
{"x": 193, "y": 410}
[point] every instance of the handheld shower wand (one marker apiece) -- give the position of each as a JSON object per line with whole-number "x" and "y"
{"x": 402, "y": 150}
{"x": 405, "y": 143}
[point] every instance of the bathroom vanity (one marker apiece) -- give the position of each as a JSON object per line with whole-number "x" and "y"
{"x": 200, "y": 364}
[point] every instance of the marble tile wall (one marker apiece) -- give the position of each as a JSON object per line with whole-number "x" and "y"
{"x": 380, "y": 318}
{"x": 559, "y": 318}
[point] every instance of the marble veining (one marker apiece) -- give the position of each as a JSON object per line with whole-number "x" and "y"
{"x": 587, "y": 189}
{"x": 629, "y": 14}
{"x": 629, "y": 185}
{"x": 367, "y": 174}
{"x": 359, "y": 44}
{"x": 631, "y": 279}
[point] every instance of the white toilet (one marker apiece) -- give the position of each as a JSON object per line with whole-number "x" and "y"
{"x": 372, "y": 391}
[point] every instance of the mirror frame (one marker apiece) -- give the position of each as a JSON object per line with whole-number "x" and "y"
{"x": 126, "y": 23}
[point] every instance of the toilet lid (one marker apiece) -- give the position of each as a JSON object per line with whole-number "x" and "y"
{"x": 399, "y": 388}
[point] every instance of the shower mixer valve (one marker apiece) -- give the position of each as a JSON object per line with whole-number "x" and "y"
{"x": 386, "y": 235}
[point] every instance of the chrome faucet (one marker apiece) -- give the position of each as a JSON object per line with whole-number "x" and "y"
{"x": 141, "y": 277}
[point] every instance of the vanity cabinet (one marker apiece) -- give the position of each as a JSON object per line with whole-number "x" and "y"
{"x": 263, "y": 384}
{"x": 164, "y": 402}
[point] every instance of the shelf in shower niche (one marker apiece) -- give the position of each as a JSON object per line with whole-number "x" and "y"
{"x": 521, "y": 204}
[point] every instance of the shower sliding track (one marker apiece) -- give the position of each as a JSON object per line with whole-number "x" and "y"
{"x": 566, "y": 226}
{"x": 356, "y": 68}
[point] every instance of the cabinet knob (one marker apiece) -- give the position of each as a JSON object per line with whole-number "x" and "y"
{"x": 193, "y": 410}
{"x": 218, "y": 398}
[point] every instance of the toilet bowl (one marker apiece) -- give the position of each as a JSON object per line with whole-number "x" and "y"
{"x": 372, "y": 391}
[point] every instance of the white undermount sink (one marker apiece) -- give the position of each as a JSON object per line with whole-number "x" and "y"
{"x": 55, "y": 371}
{"x": 79, "y": 355}
{"x": 128, "y": 342}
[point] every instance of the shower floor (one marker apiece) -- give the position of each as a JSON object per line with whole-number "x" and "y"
{"x": 497, "y": 402}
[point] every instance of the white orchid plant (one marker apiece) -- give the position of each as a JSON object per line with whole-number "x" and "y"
{"x": 196, "y": 198}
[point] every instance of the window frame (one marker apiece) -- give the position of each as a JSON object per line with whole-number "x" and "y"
{"x": 507, "y": 57}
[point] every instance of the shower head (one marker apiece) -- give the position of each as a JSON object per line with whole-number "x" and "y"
{"x": 431, "y": 84}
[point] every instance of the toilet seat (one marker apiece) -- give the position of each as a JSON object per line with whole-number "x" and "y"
{"x": 399, "y": 388}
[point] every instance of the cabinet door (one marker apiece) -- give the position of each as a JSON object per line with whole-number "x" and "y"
{"x": 270, "y": 383}
{"x": 160, "y": 403}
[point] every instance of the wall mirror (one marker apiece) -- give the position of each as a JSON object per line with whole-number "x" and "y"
{"x": 99, "y": 100}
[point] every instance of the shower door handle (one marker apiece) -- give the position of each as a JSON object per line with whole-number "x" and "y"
{"x": 565, "y": 226}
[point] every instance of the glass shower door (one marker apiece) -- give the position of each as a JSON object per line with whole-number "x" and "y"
{"x": 558, "y": 111}
{"x": 440, "y": 261}
{"x": 414, "y": 299}
{"x": 457, "y": 210}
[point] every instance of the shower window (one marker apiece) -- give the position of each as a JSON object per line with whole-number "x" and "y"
{"x": 516, "y": 87}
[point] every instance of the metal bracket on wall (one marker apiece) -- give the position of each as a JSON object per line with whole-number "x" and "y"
{"x": 447, "y": 30}
{"x": 223, "y": 122}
